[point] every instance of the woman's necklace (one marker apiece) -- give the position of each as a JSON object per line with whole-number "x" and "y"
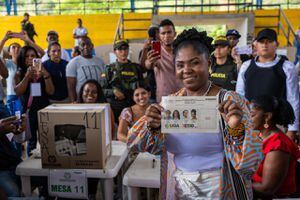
{"x": 208, "y": 89}
{"x": 266, "y": 136}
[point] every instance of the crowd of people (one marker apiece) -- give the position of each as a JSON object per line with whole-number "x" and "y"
{"x": 255, "y": 153}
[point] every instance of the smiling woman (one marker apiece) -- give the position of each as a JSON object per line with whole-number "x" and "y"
{"x": 201, "y": 165}
{"x": 34, "y": 85}
{"x": 130, "y": 115}
{"x": 91, "y": 92}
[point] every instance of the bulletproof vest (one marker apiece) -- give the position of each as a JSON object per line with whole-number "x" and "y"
{"x": 126, "y": 75}
{"x": 265, "y": 81}
{"x": 224, "y": 75}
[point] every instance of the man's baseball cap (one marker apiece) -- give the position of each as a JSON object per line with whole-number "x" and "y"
{"x": 221, "y": 40}
{"x": 233, "y": 32}
{"x": 52, "y": 32}
{"x": 120, "y": 43}
{"x": 267, "y": 33}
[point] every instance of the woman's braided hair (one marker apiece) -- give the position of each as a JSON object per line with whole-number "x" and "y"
{"x": 283, "y": 113}
{"x": 200, "y": 41}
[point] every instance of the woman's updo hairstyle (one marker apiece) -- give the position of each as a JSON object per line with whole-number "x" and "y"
{"x": 283, "y": 113}
{"x": 144, "y": 85}
{"x": 198, "y": 40}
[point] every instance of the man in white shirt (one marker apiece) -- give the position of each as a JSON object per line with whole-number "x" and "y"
{"x": 83, "y": 67}
{"x": 269, "y": 74}
{"x": 79, "y": 32}
{"x": 52, "y": 36}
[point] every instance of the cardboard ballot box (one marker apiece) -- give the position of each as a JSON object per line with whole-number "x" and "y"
{"x": 75, "y": 136}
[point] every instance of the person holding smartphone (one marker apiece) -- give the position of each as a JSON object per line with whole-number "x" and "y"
{"x": 8, "y": 70}
{"x": 233, "y": 37}
{"x": 153, "y": 35}
{"x": 34, "y": 85}
{"x": 11, "y": 68}
{"x": 161, "y": 59}
{"x": 9, "y": 158}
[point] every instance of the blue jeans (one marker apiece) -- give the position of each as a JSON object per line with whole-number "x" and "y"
{"x": 259, "y": 3}
{"x": 3, "y": 111}
{"x": 10, "y": 183}
{"x": 13, "y": 104}
{"x": 33, "y": 124}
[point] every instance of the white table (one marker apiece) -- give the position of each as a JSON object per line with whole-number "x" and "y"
{"x": 142, "y": 174}
{"x": 33, "y": 167}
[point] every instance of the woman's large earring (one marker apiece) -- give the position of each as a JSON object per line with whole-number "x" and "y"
{"x": 266, "y": 125}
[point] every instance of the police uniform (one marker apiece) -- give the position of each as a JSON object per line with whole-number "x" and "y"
{"x": 224, "y": 75}
{"x": 123, "y": 77}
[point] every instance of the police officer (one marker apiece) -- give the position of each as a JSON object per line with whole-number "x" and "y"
{"x": 122, "y": 77}
{"x": 223, "y": 71}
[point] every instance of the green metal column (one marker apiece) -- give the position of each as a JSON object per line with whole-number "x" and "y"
{"x": 132, "y": 5}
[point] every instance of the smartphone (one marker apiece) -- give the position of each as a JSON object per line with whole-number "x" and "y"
{"x": 244, "y": 50}
{"x": 12, "y": 120}
{"x": 37, "y": 64}
{"x": 16, "y": 35}
{"x": 8, "y": 119}
{"x": 156, "y": 47}
{"x": 19, "y": 119}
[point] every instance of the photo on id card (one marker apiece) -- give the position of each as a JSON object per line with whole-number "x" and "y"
{"x": 190, "y": 114}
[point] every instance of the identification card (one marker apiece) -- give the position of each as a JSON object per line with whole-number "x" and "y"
{"x": 36, "y": 90}
{"x": 244, "y": 50}
{"x": 68, "y": 183}
{"x": 190, "y": 114}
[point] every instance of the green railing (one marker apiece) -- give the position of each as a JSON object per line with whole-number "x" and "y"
{"x": 282, "y": 24}
{"x": 286, "y": 28}
{"x": 63, "y": 7}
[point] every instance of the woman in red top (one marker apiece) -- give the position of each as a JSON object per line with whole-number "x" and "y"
{"x": 276, "y": 175}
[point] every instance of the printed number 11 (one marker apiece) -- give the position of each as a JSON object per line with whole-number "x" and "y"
{"x": 79, "y": 188}
{"x": 86, "y": 118}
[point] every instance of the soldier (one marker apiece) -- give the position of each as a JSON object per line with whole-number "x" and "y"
{"x": 28, "y": 27}
{"x": 122, "y": 78}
